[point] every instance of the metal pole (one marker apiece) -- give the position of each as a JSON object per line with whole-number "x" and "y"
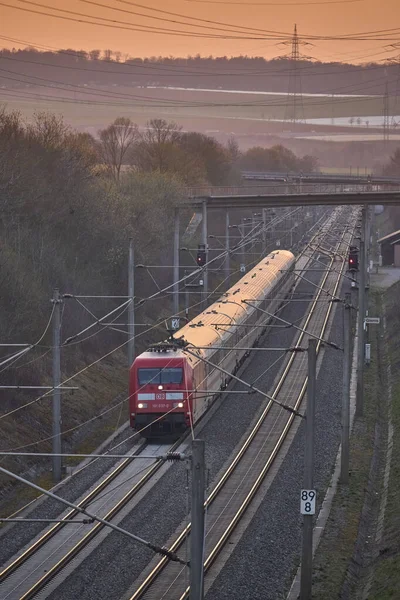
{"x": 205, "y": 239}
{"x": 361, "y": 315}
{"x": 186, "y": 299}
{"x": 175, "y": 296}
{"x": 253, "y": 243}
{"x": 56, "y": 384}
{"x": 131, "y": 306}
{"x": 243, "y": 243}
{"x": 344, "y": 457}
{"x": 228, "y": 256}
{"x": 264, "y": 231}
{"x": 307, "y": 547}
{"x": 197, "y": 522}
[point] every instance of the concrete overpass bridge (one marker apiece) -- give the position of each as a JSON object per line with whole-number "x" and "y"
{"x": 245, "y": 198}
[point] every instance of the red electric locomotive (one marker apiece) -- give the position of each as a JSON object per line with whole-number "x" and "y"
{"x": 161, "y": 383}
{"x": 171, "y": 388}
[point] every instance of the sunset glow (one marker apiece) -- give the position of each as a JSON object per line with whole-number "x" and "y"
{"x": 21, "y": 21}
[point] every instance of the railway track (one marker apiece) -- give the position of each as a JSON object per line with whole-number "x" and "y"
{"x": 22, "y": 578}
{"x": 14, "y": 581}
{"x": 234, "y": 492}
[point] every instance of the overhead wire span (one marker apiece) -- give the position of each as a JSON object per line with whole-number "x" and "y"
{"x": 134, "y": 435}
{"x": 322, "y": 340}
{"x": 251, "y": 3}
{"x": 77, "y": 17}
{"x": 181, "y": 71}
{"x": 176, "y": 103}
{"x": 197, "y": 271}
{"x": 164, "y": 19}
{"x": 20, "y": 354}
{"x": 290, "y": 409}
{"x": 114, "y": 24}
{"x": 99, "y": 416}
{"x": 169, "y": 456}
{"x": 156, "y": 548}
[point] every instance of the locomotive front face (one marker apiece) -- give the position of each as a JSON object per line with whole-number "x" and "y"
{"x": 160, "y": 391}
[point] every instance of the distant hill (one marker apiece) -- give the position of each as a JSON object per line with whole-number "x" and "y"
{"x": 21, "y": 68}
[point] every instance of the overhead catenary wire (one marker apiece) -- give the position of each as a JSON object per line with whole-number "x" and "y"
{"x": 225, "y": 29}
{"x": 47, "y": 393}
{"x": 245, "y": 383}
{"x": 22, "y": 353}
{"x": 251, "y": 3}
{"x": 132, "y": 436}
{"x": 158, "y": 549}
{"x": 78, "y": 17}
{"x": 112, "y": 23}
{"x": 172, "y": 102}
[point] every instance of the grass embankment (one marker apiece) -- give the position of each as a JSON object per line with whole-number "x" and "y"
{"x": 335, "y": 557}
{"x": 101, "y": 388}
{"x": 386, "y": 580}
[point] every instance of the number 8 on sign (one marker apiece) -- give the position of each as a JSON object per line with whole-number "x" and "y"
{"x": 307, "y": 502}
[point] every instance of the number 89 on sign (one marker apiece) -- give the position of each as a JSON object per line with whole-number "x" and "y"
{"x": 307, "y": 502}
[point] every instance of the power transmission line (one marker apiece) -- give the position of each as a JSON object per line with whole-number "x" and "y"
{"x": 294, "y": 110}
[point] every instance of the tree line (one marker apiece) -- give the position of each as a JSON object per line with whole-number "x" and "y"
{"x": 108, "y": 67}
{"x": 69, "y": 204}
{"x": 194, "y": 158}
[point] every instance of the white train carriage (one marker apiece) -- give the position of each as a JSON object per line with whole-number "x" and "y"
{"x": 218, "y": 335}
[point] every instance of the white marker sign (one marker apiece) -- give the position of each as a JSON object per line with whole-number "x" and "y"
{"x": 372, "y": 320}
{"x": 307, "y": 502}
{"x": 175, "y": 324}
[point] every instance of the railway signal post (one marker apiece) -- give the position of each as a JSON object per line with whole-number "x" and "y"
{"x": 308, "y": 494}
{"x": 56, "y": 385}
{"x": 197, "y": 521}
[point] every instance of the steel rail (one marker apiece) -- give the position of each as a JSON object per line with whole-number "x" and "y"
{"x": 218, "y": 547}
{"x": 53, "y": 571}
{"x": 45, "y": 538}
{"x": 146, "y": 584}
{"x": 12, "y": 567}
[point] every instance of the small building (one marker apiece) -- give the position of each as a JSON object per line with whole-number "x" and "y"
{"x": 390, "y": 249}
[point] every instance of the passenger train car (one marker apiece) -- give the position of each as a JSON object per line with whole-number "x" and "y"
{"x": 169, "y": 388}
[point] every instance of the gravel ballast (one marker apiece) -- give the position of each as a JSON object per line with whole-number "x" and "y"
{"x": 16, "y": 536}
{"x": 114, "y": 565}
{"x": 266, "y": 558}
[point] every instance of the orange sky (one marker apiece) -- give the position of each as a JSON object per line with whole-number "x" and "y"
{"x": 317, "y": 19}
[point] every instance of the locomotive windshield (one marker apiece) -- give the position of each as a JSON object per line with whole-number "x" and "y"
{"x": 157, "y": 376}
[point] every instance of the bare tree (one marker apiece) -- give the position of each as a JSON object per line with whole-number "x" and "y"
{"x": 115, "y": 141}
{"x": 155, "y": 145}
{"x": 48, "y": 129}
{"x": 94, "y": 54}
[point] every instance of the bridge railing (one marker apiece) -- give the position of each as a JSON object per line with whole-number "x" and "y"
{"x": 284, "y": 189}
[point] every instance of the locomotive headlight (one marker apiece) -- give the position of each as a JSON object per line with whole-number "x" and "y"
{"x": 180, "y": 404}
{"x": 160, "y": 387}
{"x": 142, "y": 405}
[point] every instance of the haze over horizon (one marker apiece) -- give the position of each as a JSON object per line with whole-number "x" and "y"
{"x": 60, "y": 25}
